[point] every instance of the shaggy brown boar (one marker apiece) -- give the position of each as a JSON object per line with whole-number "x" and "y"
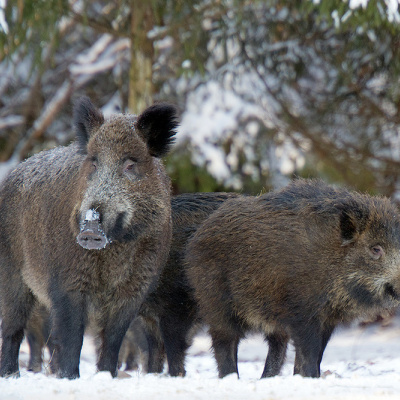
{"x": 86, "y": 227}
{"x": 169, "y": 314}
{"x": 170, "y": 311}
{"x": 293, "y": 263}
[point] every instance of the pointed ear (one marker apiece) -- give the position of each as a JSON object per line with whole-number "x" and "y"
{"x": 157, "y": 125}
{"x": 353, "y": 221}
{"x": 87, "y": 118}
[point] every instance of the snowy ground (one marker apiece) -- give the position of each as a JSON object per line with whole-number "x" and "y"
{"x": 359, "y": 363}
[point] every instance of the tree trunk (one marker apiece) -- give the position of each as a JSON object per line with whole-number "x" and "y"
{"x": 142, "y": 52}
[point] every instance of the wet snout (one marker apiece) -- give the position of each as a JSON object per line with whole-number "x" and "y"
{"x": 91, "y": 236}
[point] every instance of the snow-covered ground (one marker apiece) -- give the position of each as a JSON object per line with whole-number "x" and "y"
{"x": 359, "y": 363}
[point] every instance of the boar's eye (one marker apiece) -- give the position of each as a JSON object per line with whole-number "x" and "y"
{"x": 376, "y": 252}
{"x": 93, "y": 163}
{"x": 129, "y": 165}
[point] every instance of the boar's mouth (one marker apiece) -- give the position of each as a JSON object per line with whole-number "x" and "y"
{"x": 391, "y": 292}
{"x": 91, "y": 236}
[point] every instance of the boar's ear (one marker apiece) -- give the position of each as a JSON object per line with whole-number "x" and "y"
{"x": 353, "y": 221}
{"x": 86, "y": 119}
{"x": 157, "y": 125}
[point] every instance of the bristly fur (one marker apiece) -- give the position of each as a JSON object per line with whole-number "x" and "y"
{"x": 86, "y": 118}
{"x": 158, "y": 124}
{"x": 52, "y": 268}
{"x": 306, "y": 258}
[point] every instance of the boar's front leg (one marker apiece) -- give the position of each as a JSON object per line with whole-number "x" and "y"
{"x": 310, "y": 342}
{"x": 68, "y": 322}
{"x": 113, "y": 330}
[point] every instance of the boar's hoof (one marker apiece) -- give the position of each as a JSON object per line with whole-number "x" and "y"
{"x": 91, "y": 236}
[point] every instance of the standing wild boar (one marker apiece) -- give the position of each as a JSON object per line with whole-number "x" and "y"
{"x": 293, "y": 263}
{"x": 86, "y": 227}
{"x": 170, "y": 311}
{"x": 169, "y": 314}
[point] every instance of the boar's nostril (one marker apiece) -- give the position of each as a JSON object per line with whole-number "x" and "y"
{"x": 92, "y": 241}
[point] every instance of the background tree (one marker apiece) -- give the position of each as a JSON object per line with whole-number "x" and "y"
{"x": 267, "y": 89}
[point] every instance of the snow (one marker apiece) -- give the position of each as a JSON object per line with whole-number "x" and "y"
{"x": 6, "y": 167}
{"x": 359, "y": 363}
{"x": 92, "y": 215}
{"x": 3, "y": 22}
{"x": 213, "y": 113}
{"x": 392, "y": 8}
{"x": 102, "y": 56}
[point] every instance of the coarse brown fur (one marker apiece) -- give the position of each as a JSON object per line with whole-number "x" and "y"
{"x": 169, "y": 314}
{"x": 170, "y": 311}
{"x": 294, "y": 263}
{"x": 114, "y": 169}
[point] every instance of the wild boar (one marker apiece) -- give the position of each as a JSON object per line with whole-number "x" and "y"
{"x": 86, "y": 227}
{"x": 293, "y": 263}
{"x": 170, "y": 312}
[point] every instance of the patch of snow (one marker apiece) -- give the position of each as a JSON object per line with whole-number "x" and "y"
{"x": 393, "y": 10}
{"x": 217, "y": 113}
{"x": 6, "y": 167}
{"x": 11, "y": 120}
{"x": 358, "y": 3}
{"x": 92, "y": 215}
{"x": 112, "y": 106}
{"x": 359, "y": 363}
{"x": 3, "y": 22}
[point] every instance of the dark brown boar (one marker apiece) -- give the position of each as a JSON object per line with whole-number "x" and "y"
{"x": 169, "y": 314}
{"x": 293, "y": 263}
{"x": 86, "y": 227}
{"x": 170, "y": 311}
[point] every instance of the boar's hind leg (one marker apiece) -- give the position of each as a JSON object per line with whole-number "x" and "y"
{"x": 310, "y": 343}
{"x": 112, "y": 334}
{"x": 68, "y": 322}
{"x": 225, "y": 350}
{"x": 277, "y": 345}
{"x": 15, "y": 311}
{"x": 156, "y": 351}
{"x": 36, "y": 345}
{"x": 38, "y": 334}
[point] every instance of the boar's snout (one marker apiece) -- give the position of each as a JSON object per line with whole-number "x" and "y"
{"x": 91, "y": 236}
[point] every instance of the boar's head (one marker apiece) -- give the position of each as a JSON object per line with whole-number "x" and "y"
{"x": 123, "y": 190}
{"x": 370, "y": 234}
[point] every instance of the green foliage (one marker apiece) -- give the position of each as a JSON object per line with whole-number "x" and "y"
{"x": 374, "y": 16}
{"x": 31, "y": 23}
{"x": 276, "y": 39}
{"x": 189, "y": 178}
{"x": 361, "y": 179}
